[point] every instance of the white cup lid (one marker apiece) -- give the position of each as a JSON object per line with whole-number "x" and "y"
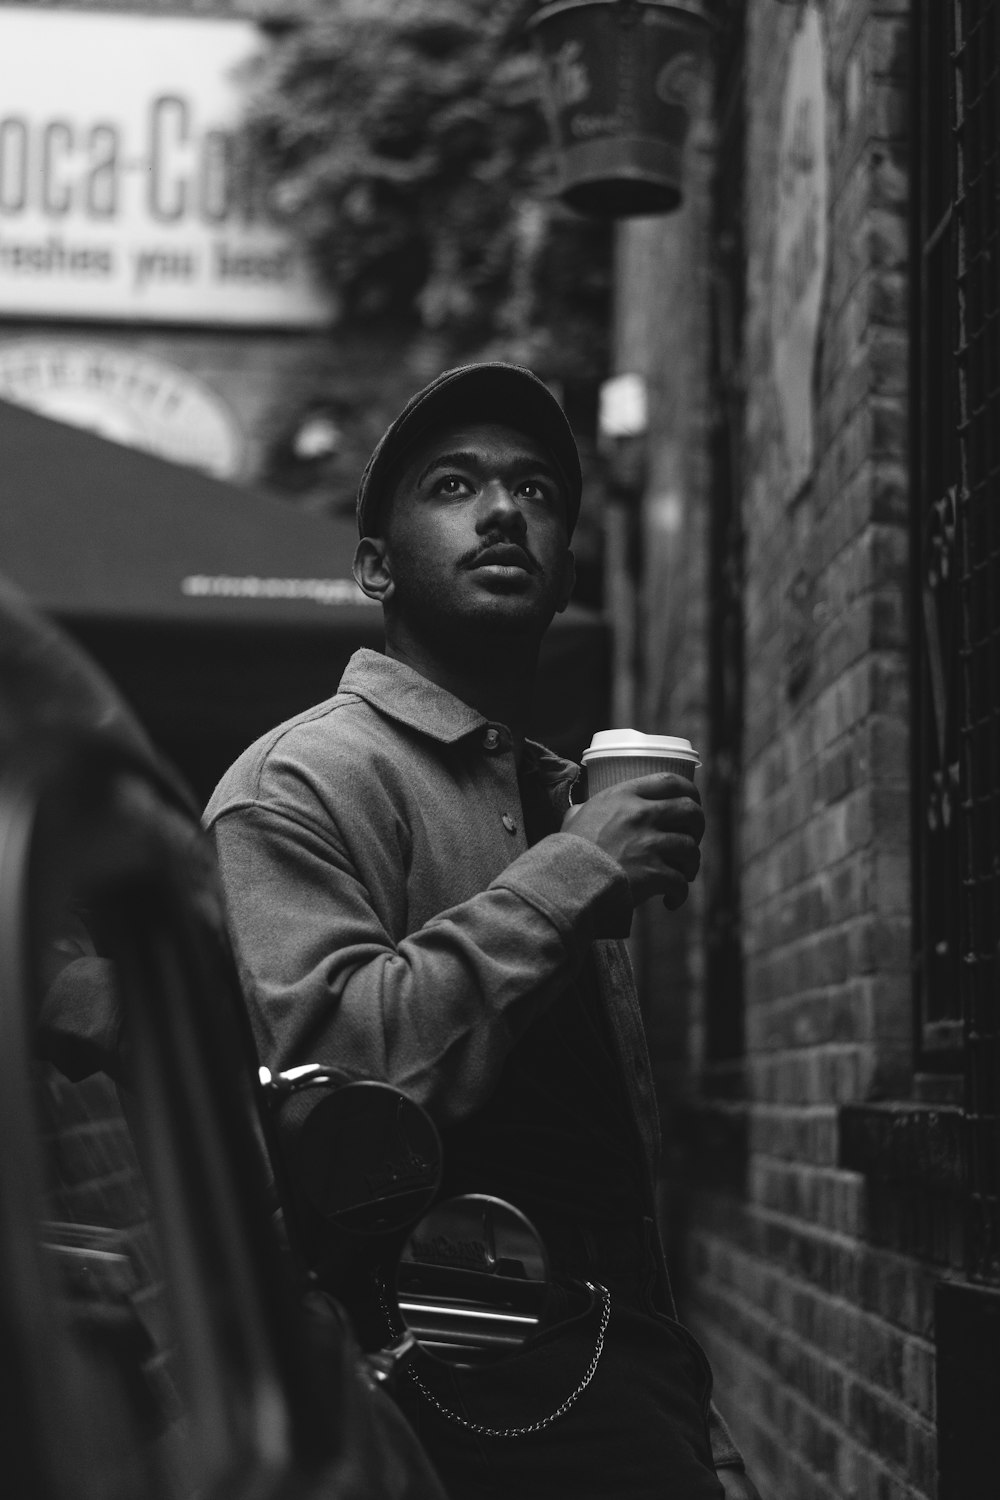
{"x": 607, "y": 742}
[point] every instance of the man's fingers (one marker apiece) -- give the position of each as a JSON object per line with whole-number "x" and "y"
{"x": 680, "y": 861}
{"x": 675, "y": 889}
{"x": 663, "y": 784}
{"x": 672, "y": 800}
{"x": 680, "y": 817}
{"x": 671, "y": 870}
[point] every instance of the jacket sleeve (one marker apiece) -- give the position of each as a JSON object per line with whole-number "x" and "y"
{"x": 434, "y": 1013}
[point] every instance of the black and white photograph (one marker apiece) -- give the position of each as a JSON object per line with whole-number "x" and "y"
{"x": 499, "y": 749}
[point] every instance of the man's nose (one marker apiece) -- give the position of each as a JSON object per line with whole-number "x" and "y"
{"x": 500, "y": 508}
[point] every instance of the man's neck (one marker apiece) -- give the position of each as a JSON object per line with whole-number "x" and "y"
{"x": 495, "y": 678}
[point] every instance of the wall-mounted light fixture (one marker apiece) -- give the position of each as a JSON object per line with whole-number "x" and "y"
{"x": 622, "y": 424}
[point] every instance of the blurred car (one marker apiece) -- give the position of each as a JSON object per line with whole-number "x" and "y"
{"x": 159, "y": 1335}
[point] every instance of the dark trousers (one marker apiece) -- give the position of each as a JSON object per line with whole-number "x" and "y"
{"x": 637, "y": 1431}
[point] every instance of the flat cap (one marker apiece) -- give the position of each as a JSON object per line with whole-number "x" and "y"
{"x": 494, "y": 392}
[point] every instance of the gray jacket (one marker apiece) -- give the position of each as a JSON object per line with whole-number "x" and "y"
{"x": 388, "y": 914}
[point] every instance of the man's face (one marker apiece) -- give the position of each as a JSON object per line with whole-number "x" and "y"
{"x": 475, "y": 533}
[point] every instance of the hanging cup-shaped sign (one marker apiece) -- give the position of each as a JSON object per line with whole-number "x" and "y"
{"x": 622, "y": 80}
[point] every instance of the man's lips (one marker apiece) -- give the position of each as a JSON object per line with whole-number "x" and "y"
{"x": 504, "y": 555}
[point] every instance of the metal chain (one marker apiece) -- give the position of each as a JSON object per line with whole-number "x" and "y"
{"x": 483, "y": 1430}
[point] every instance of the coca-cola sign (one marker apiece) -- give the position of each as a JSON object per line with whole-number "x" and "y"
{"x": 127, "y": 188}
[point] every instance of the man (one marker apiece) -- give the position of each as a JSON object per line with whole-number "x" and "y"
{"x": 414, "y": 898}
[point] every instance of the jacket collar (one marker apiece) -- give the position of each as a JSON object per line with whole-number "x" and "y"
{"x": 400, "y": 693}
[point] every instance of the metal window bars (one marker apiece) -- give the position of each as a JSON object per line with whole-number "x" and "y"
{"x": 975, "y": 57}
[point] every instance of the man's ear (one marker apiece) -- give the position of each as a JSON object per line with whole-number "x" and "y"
{"x": 569, "y": 579}
{"x": 371, "y": 569}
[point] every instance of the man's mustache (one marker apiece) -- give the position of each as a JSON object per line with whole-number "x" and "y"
{"x": 475, "y": 555}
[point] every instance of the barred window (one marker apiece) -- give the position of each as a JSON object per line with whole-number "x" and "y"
{"x": 956, "y": 491}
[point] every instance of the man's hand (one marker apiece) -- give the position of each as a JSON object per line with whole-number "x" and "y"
{"x": 736, "y": 1485}
{"x": 652, "y": 826}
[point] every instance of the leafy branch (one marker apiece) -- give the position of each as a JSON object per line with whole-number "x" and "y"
{"x": 405, "y": 142}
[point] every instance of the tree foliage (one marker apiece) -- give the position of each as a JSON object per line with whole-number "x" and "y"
{"x": 405, "y": 141}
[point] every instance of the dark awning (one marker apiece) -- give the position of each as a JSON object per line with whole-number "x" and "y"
{"x": 217, "y": 611}
{"x": 90, "y": 528}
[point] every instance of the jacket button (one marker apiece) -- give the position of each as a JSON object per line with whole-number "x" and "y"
{"x": 508, "y": 823}
{"x": 491, "y": 739}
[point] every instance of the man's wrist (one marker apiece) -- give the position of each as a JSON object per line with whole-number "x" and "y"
{"x": 582, "y": 890}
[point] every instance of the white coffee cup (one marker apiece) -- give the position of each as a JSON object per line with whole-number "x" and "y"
{"x": 615, "y": 755}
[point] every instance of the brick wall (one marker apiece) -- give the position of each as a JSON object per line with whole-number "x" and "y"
{"x": 822, "y": 1342}
{"x": 819, "y": 1333}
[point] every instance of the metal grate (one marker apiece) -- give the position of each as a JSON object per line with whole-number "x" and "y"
{"x": 937, "y": 881}
{"x": 976, "y": 125}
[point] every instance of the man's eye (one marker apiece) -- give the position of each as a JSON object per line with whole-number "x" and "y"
{"x": 452, "y": 484}
{"x": 533, "y": 489}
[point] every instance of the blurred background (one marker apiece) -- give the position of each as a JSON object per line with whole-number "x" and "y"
{"x": 757, "y": 261}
